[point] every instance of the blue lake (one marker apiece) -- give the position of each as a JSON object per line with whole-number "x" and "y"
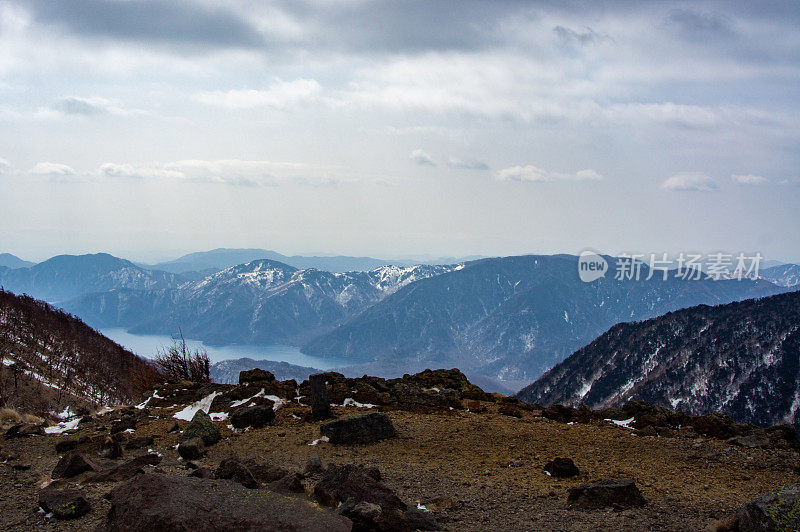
{"x": 147, "y": 345}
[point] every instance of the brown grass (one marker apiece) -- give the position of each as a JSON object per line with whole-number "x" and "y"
{"x": 11, "y": 415}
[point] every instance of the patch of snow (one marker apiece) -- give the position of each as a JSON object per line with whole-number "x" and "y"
{"x": 234, "y": 404}
{"x": 566, "y": 316}
{"x": 203, "y": 404}
{"x": 323, "y": 439}
{"x": 277, "y": 400}
{"x": 422, "y": 507}
{"x": 352, "y": 402}
{"x": 218, "y": 416}
{"x": 625, "y": 423}
{"x": 63, "y": 427}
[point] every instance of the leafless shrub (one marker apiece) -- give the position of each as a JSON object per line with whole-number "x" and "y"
{"x": 179, "y": 362}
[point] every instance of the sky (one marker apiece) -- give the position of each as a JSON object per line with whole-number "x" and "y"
{"x": 149, "y": 129}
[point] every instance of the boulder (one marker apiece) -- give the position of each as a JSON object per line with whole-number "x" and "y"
{"x": 510, "y": 410}
{"x": 359, "y": 429}
{"x": 777, "y": 510}
{"x": 64, "y": 501}
{"x": 749, "y": 442}
{"x": 23, "y": 430}
{"x": 202, "y": 427}
{"x": 560, "y": 413}
{"x": 561, "y": 468}
{"x": 416, "y": 519}
{"x": 125, "y": 471}
{"x": 74, "y": 463}
{"x": 139, "y": 442}
{"x": 313, "y": 466}
{"x": 266, "y": 473}
{"x": 233, "y": 469}
{"x": 255, "y": 376}
{"x": 714, "y": 425}
{"x": 160, "y": 502}
{"x": 617, "y": 493}
{"x": 202, "y": 472}
{"x": 173, "y": 427}
{"x": 254, "y": 416}
{"x": 341, "y": 483}
{"x": 68, "y": 444}
{"x": 292, "y": 483}
{"x": 192, "y": 449}
{"x": 126, "y": 423}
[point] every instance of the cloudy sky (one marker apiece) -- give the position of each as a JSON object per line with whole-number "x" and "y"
{"x": 148, "y": 128}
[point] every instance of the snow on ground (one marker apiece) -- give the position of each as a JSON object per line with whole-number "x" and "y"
{"x": 245, "y": 401}
{"x": 323, "y": 439}
{"x": 352, "y": 402}
{"x": 63, "y": 426}
{"x": 625, "y": 423}
{"x": 203, "y": 404}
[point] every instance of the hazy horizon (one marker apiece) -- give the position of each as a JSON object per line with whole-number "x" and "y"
{"x": 149, "y": 129}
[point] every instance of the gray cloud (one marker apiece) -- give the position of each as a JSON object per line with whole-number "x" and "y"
{"x": 572, "y": 37}
{"x": 422, "y": 158}
{"x": 78, "y": 106}
{"x": 174, "y": 21}
{"x": 459, "y": 164}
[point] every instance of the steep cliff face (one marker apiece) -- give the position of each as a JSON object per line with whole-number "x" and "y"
{"x": 742, "y": 359}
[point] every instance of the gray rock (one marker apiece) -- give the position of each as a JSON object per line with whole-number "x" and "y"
{"x": 64, "y": 501}
{"x": 160, "y": 502}
{"x": 777, "y": 510}
{"x": 363, "y": 429}
{"x": 74, "y": 463}
{"x": 192, "y": 449}
{"x": 202, "y": 427}
{"x": 603, "y": 493}
{"x": 254, "y": 416}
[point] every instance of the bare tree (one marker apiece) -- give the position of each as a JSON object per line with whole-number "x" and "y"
{"x": 180, "y": 362}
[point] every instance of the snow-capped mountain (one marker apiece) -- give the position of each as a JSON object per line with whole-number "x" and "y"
{"x": 263, "y": 301}
{"x": 511, "y": 318}
{"x": 68, "y": 276}
{"x": 742, "y": 359}
{"x": 787, "y": 275}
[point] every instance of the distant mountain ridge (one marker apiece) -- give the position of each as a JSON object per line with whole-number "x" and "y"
{"x": 742, "y": 359}
{"x": 511, "y": 318}
{"x": 7, "y": 260}
{"x": 263, "y": 301}
{"x": 787, "y": 275}
{"x": 208, "y": 262}
{"x": 66, "y": 277}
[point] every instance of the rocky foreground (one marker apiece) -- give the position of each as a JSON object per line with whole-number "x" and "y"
{"x": 429, "y": 451}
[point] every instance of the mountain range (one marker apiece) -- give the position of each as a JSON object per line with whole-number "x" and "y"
{"x": 511, "y": 318}
{"x": 742, "y": 359}
{"x": 263, "y": 301}
{"x": 65, "y": 277}
{"x": 7, "y": 260}
{"x": 502, "y": 320}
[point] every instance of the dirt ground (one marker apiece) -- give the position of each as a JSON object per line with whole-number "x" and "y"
{"x": 456, "y": 463}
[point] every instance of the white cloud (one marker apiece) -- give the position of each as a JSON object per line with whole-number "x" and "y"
{"x": 454, "y": 162}
{"x": 4, "y": 165}
{"x": 136, "y": 172}
{"x": 422, "y": 158}
{"x": 227, "y": 172}
{"x": 690, "y": 181}
{"x": 535, "y": 174}
{"x": 280, "y": 95}
{"x": 749, "y": 179}
{"x": 52, "y": 169}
